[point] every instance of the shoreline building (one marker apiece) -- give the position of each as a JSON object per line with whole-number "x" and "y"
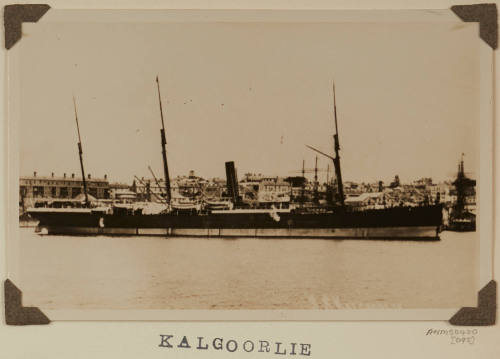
{"x": 274, "y": 192}
{"x": 38, "y": 188}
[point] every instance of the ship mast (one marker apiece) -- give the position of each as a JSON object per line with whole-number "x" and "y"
{"x": 336, "y": 160}
{"x": 80, "y": 152}
{"x": 163, "y": 149}
{"x": 316, "y": 194}
{"x": 302, "y": 194}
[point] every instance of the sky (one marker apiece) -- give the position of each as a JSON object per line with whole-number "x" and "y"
{"x": 253, "y": 93}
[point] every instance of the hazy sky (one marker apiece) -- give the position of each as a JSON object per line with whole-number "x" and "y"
{"x": 255, "y": 93}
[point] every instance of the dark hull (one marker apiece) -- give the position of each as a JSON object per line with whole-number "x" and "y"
{"x": 401, "y": 222}
{"x": 462, "y": 222}
{"x": 457, "y": 226}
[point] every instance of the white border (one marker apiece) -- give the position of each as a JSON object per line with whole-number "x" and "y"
{"x": 486, "y": 171}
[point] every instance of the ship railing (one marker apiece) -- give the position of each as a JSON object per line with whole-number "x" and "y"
{"x": 251, "y": 210}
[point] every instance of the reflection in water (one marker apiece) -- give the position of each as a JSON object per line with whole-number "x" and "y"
{"x": 196, "y": 273}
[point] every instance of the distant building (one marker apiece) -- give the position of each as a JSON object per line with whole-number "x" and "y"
{"x": 188, "y": 186}
{"x": 366, "y": 201}
{"x": 252, "y": 177}
{"x": 192, "y": 186}
{"x": 352, "y": 188}
{"x": 62, "y": 187}
{"x": 274, "y": 191}
{"x": 124, "y": 196}
{"x": 438, "y": 191}
{"x": 423, "y": 182}
{"x": 36, "y": 187}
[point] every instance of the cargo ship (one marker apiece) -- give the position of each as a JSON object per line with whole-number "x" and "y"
{"x": 230, "y": 217}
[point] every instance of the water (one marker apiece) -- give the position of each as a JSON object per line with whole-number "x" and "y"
{"x": 64, "y": 272}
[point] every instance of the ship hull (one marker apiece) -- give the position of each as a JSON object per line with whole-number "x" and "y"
{"x": 418, "y": 232}
{"x": 391, "y": 223}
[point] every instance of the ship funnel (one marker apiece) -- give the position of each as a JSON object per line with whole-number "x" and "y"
{"x": 232, "y": 182}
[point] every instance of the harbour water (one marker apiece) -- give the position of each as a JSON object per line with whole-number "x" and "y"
{"x": 64, "y": 272}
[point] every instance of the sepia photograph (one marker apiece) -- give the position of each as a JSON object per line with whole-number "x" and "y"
{"x": 218, "y": 160}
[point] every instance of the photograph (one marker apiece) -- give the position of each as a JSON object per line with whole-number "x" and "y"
{"x": 252, "y": 160}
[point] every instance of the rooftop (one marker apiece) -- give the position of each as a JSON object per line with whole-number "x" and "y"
{"x": 63, "y": 178}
